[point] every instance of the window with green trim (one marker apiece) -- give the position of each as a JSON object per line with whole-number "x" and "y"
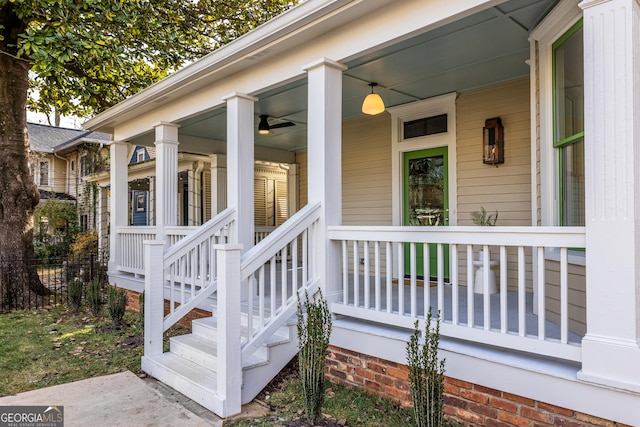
{"x": 568, "y": 138}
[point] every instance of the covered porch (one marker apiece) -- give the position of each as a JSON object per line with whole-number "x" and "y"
{"x": 565, "y": 299}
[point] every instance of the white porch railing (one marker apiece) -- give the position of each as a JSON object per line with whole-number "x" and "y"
{"x": 274, "y": 285}
{"x": 177, "y": 233}
{"x": 189, "y": 266}
{"x": 130, "y": 250}
{"x": 130, "y": 254}
{"x": 380, "y": 285}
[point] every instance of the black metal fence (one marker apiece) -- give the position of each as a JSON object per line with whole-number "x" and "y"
{"x": 55, "y": 274}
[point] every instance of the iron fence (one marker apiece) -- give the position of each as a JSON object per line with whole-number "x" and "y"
{"x": 54, "y": 273}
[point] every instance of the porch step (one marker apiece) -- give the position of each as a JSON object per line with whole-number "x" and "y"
{"x": 204, "y": 351}
{"x": 191, "y": 379}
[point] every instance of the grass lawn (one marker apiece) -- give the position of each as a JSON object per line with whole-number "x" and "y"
{"x": 41, "y": 348}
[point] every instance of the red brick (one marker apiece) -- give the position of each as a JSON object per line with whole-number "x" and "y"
{"x": 459, "y": 383}
{"x": 487, "y": 390}
{"x": 384, "y": 379}
{"x": 365, "y": 373}
{"x": 451, "y": 389}
{"x": 536, "y": 415}
{"x": 372, "y": 385}
{"x": 376, "y": 367}
{"x": 474, "y": 396}
{"x": 564, "y": 422}
{"x": 504, "y": 405}
{"x": 399, "y": 373}
{"x": 513, "y": 419}
{"x": 518, "y": 399}
{"x": 484, "y": 410}
{"x": 555, "y": 409}
{"x": 596, "y": 421}
{"x": 495, "y": 423}
{"x": 343, "y": 351}
{"x": 338, "y": 374}
{"x": 455, "y": 402}
{"x": 401, "y": 395}
{"x": 470, "y": 417}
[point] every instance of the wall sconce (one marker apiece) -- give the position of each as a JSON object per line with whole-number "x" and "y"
{"x": 493, "y": 142}
{"x": 373, "y": 103}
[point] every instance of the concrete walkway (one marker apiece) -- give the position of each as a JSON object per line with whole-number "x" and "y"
{"x": 120, "y": 399}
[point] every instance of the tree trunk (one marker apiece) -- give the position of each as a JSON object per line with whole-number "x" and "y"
{"x": 18, "y": 194}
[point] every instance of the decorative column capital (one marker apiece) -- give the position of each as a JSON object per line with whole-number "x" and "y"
{"x": 166, "y": 132}
{"x": 234, "y": 95}
{"x": 325, "y": 62}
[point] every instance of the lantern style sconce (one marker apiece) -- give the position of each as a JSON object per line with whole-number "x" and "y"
{"x": 493, "y": 142}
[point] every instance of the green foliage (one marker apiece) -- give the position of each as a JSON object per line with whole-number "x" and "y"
{"x": 426, "y": 376}
{"x": 56, "y": 225}
{"x": 314, "y": 331}
{"x": 117, "y": 303}
{"x": 88, "y": 55}
{"x": 141, "y": 305}
{"x": 482, "y": 218}
{"x": 94, "y": 297}
{"x": 74, "y": 288}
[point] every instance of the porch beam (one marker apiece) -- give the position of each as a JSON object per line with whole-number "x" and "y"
{"x": 611, "y": 352}
{"x": 324, "y": 151}
{"x": 119, "y": 181}
{"x": 240, "y": 170}
{"x": 166, "y": 177}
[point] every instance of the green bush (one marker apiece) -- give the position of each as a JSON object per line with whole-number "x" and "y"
{"x": 94, "y": 299}
{"x": 426, "y": 376}
{"x": 117, "y": 302}
{"x": 141, "y": 311}
{"x": 314, "y": 331}
{"x": 74, "y": 288}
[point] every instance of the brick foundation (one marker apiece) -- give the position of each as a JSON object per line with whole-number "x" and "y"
{"x": 133, "y": 303}
{"x": 468, "y": 403}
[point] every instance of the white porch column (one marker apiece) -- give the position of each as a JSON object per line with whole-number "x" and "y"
{"x": 610, "y": 350}
{"x": 119, "y": 176}
{"x": 240, "y": 159}
{"x": 103, "y": 218}
{"x": 218, "y": 183}
{"x": 166, "y": 177}
{"x": 324, "y": 145}
{"x": 152, "y": 200}
{"x": 195, "y": 191}
{"x": 292, "y": 188}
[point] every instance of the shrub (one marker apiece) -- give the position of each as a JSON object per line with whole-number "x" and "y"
{"x": 314, "y": 330}
{"x": 141, "y": 311}
{"x": 94, "y": 299}
{"x": 74, "y": 288}
{"x": 117, "y": 302}
{"x": 426, "y": 376}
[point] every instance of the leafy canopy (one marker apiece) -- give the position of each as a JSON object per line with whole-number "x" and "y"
{"x": 86, "y": 56}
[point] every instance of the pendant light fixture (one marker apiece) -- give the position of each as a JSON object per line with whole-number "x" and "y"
{"x": 373, "y": 103}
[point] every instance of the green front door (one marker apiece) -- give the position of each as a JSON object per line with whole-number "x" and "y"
{"x": 426, "y": 201}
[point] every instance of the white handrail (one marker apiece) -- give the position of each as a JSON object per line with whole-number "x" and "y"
{"x": 291, "y": 243}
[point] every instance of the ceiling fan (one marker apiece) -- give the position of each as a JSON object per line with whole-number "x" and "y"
{"x": 264, "y": 128}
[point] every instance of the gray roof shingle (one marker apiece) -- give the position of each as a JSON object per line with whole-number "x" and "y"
{"x": 50, "y": 139}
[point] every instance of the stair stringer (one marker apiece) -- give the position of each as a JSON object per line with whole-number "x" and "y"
{"x": 256, "y": 377}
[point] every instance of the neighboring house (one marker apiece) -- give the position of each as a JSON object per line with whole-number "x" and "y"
{"x": 196, "y": 196}
{"x": 61, "y": 160}
{"x": 528, "y": 107}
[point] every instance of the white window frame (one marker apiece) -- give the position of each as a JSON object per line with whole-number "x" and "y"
{"x": 554, "y": 26}
{"x": 444, "y": 104}
{"x": 140, "y": 155}
{"x": 39, "y": 172}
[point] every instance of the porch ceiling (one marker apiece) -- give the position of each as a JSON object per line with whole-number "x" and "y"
{"x": 485, "y": 48}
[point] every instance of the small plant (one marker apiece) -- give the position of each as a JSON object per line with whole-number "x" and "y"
{"x": 314, "y": 330}
{"x": 94, "y": 299}
{"x": 75, "y": 294}
{"x": 141, "y": 310}
{"x": 117, "y": 302}
{"x": 482, "y": 218}
{"x": 426, "y": 376}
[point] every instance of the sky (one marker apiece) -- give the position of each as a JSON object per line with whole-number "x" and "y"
{"x": 65, "y": 122}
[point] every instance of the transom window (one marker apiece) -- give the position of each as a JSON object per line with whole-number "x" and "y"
{"x": 424, "y": 126}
